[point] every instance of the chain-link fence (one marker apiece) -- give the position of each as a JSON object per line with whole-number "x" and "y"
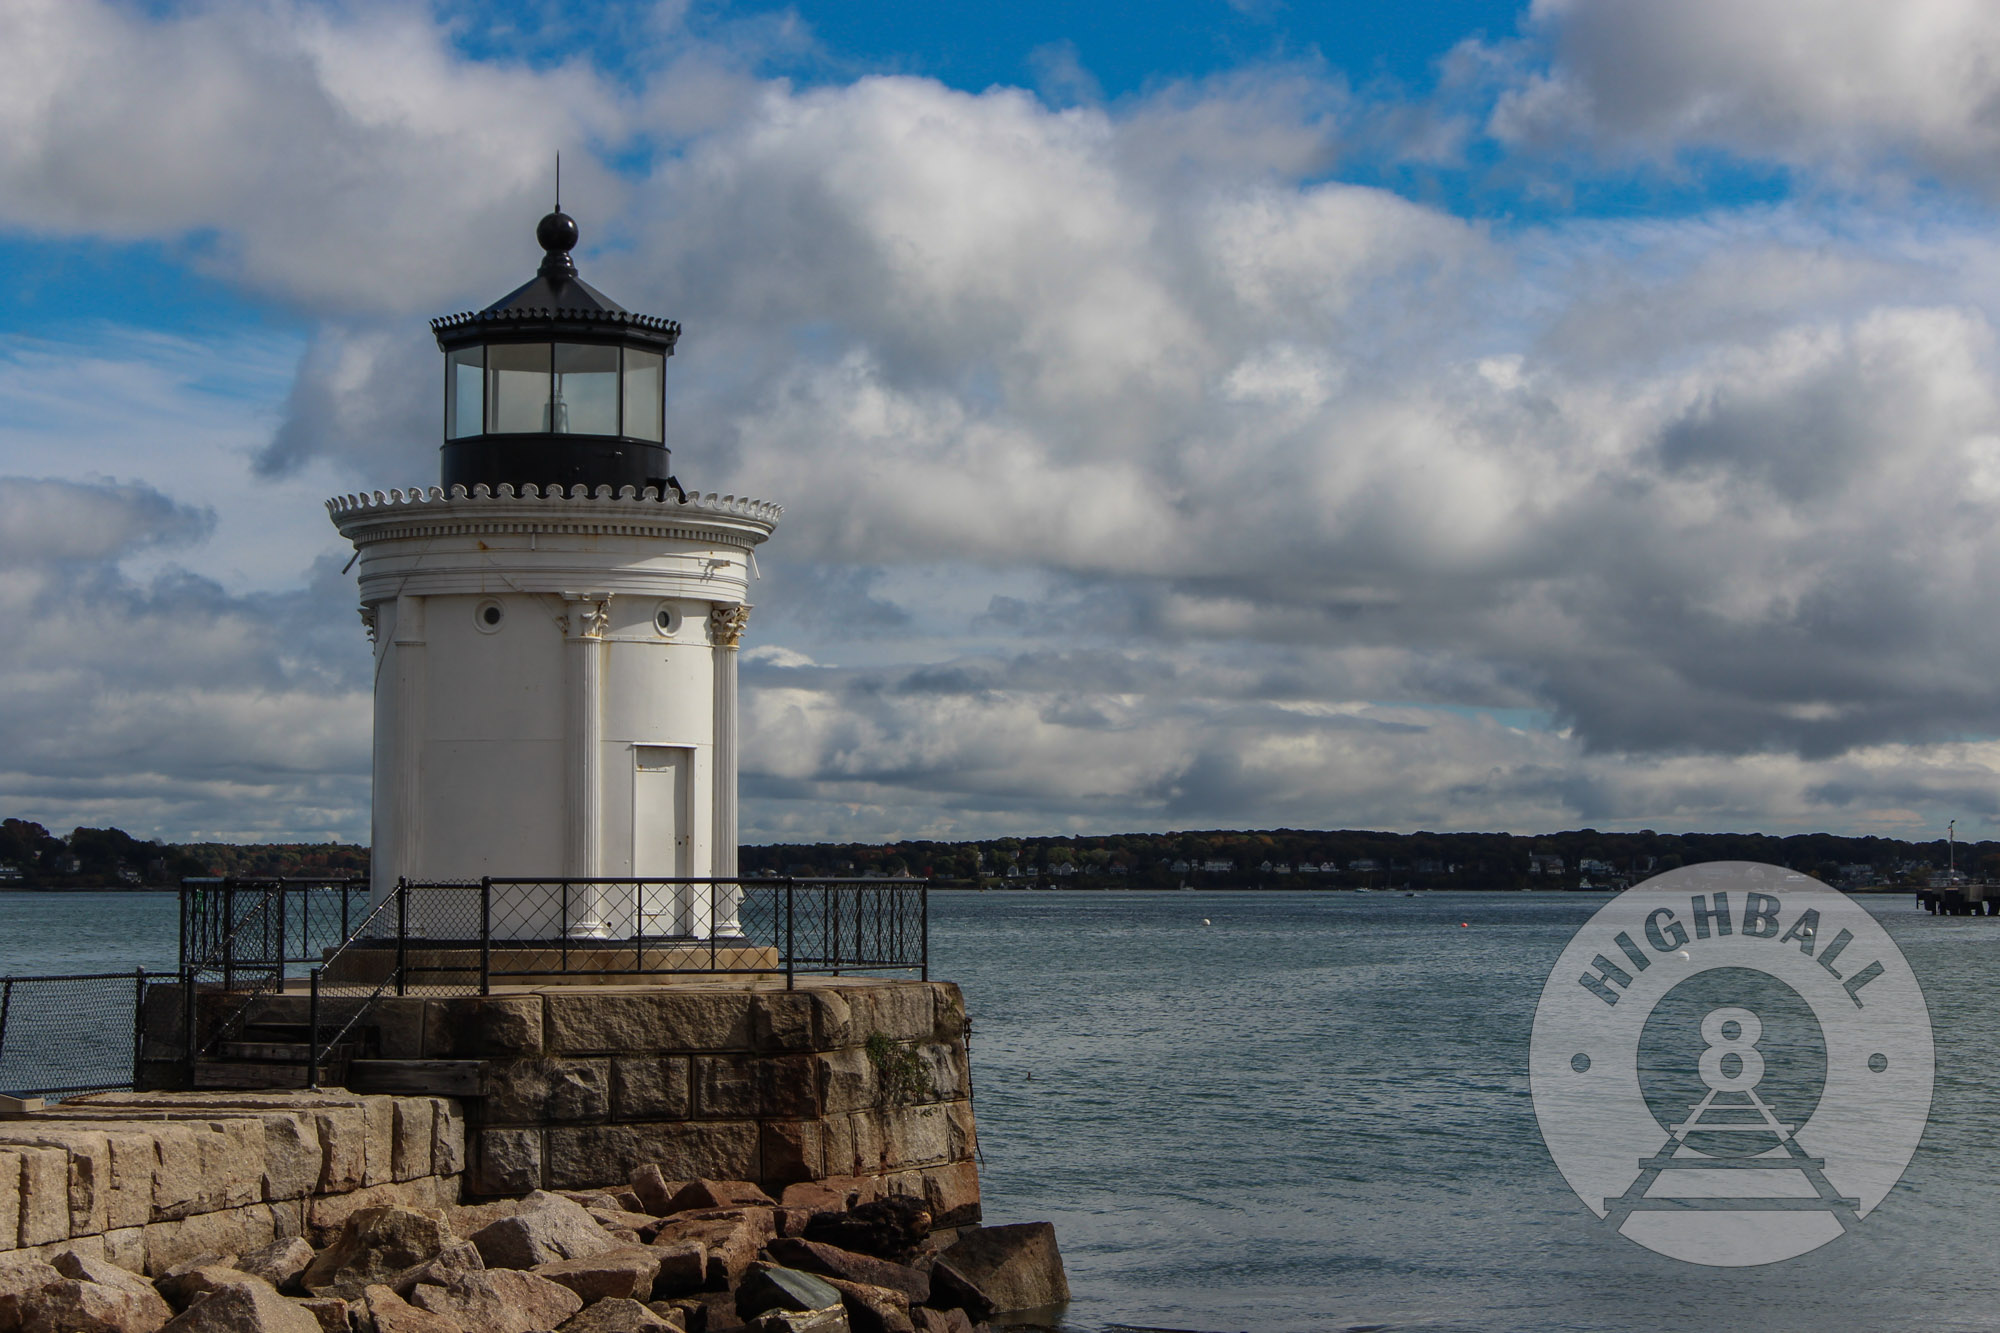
{"x": 63, "y": 1035}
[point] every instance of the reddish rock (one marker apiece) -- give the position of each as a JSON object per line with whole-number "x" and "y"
{"x": 654, "y": 1191}
{"x": 627, "y": 1274}
{"x": 281, "y": 1263}
{"x": 992, "y": 1270}
{"x": 941, "y": 1321}
{"x": 731, "y": 1238}
{"x": 814, "y": 1257}
{"x": 683, "y": 1267}
{"x": 250, "y": 1306}
{"x": 331, "y": 1312}
{"x": 701, "y": 1195}
{"x": 886, "y": 1228}
{"x": 390, "y": 1313}
{"x": 618, "y": 1316}
{"x": 143, "y": 1308}
{"x": 642, "y": 1225}
{"x": 459, "y": 1256}
{"x": 374, "y": 1246}
{"x": 499, "y": 1300}
{"x": 549, "y": 1228}
{"x": 186, "y": 1286}
{"x": 872, "y": 1309}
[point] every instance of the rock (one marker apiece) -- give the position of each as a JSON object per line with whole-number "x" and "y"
{"x": 151, "y": 1309}
{"x": 953, "y": 1320}
{"x": 991, "y": 1270}
{"x": 21, "y": 1278}
{"x": 186, "y": 1286}
{"x": 251, "y": 1306}
{"x": 331, "y": 1311}
{"x": 280, "y": 1263}
{"x": 716, "y": 1313}
{"x": 771, "y": 1287}
{"x": 643, "y": 1225}
{"x": 550, "y": 1228}
{"x": 654, "y": 1191}
{"x": 814, "y": 1257}
{"x": 374, "y": 1246}
{"x": 731, "y": 1241}
{"x": 390, "y": 1313}
{"x": 588, "y": 1198}
{"x": 683, "y": 1267}
{"x": 629, "y": 1200}
{"x": 819, "y": 1196}
{"x": 499, "y": 1300}
{"x": 833, "y": 1319}
{"x": 886, "y": 1228}
{"x": 65, "y": 1296}
{"x": 702, "y": 1195}
{"x": 627, "y": 1274}
{"x": 872, "y": 1309}
{"x": 459, "y": 1256}
{"x": 675, "y": 1312}
{"x": 617, "y": 1316}
{"x": 791, "y": 1221}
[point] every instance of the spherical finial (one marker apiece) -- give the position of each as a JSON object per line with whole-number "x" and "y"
{"x": 557, "y": 232}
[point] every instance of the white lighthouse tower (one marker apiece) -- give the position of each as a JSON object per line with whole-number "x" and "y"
{"x": 556, "y": 626}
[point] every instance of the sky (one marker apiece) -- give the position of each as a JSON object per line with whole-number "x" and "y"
{"x": 1203, "y": 413}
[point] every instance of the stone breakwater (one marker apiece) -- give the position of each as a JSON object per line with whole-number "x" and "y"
{"x": 244, "y": 1236}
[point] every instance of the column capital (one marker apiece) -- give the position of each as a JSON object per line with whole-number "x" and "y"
{"x": 726, "y": 625}
{"x": 586, "y": 615}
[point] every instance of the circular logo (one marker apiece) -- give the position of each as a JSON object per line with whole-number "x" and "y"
{"x": 1731, "y": 1064}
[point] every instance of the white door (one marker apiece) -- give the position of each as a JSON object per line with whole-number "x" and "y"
{"x": 661, "y": 824}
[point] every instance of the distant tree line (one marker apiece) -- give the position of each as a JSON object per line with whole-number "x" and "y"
{"x": 33, "y": 857}
{"x": 1303, "y": 859}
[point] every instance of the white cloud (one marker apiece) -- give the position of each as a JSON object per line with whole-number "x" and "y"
{"x": 1136, "y": 473}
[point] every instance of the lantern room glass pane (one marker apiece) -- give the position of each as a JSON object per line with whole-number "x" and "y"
{"x": 517, "y": 388}
{"x": 645, "y": 387}
{"x": 464, "y": 375}
{"x": 586, "y": 401}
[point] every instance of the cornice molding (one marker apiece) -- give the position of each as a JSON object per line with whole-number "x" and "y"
{"x": 419, "y": 512}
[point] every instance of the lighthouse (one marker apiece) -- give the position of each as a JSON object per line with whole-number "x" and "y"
{"x": 555, "y": 628}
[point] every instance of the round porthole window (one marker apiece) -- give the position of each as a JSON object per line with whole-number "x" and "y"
{"x": 487, "y": 617}
{"x": 667, "y": 619}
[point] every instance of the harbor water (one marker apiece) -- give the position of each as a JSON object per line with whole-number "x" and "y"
{"x": 1302, "y": 1111}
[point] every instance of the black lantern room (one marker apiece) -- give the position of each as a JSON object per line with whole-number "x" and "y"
{"x": 556, "y": 384}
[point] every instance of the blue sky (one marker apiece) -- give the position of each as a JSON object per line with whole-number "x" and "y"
{"x": 1449, "y": 416}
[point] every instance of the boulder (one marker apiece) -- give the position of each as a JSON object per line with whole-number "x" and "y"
{"x": 456, "y": 1257}
{"x": 588, "y": 1198}
{"x": 390, "y": 1313}
{"x": 550, "y": 1228}
{"x": 331, "y": 1311}
{"x": 771, "y": 1287}
{"x": 615, "y": 1220}
{"x": 622, "y": 1274}
{"x": 244, "y": 1307}
{"x": 373, "y": 1247}
{"x": 499, "y": 1300}
{"x": 886, "y": 1228}
{"x": 953, "y": 1320}
{"x": 184, "y": 1286}
{"x": 731, "y": 1241}
{"x": 280, "y": 1263}
{"x": 716, "y": 1313}
{"x": 991, "y": 1270}
{"x": 618, "y": 1316}
{"x": 701, "y": 1195}
{"x": 683, "y": 1267}
{"x": 681, "y": 1311}
{"x": 653, "y": 1190}
{"x": 814, "y": 1257}
{"x": 148, "y": 1310}
{"x": 872, "y": 1309}
{"x": 833, "y": 1319}
{"x": 629, "y": 1200}
{"x": 21, "y": 1279}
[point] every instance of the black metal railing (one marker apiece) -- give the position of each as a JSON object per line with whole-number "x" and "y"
{"x": 473, "y": 934}
{"x": 64, "y": 1035}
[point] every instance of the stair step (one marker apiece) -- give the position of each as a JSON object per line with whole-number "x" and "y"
{"x": 238, "y": 1075}
{"x": 283, "y": 1052}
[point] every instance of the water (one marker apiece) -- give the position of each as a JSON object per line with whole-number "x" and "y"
{"x": 1313, "y": 1113}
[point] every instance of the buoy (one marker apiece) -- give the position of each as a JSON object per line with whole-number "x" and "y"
{"x": 1464, "y": 925}
{"x": 1205, "y": 921}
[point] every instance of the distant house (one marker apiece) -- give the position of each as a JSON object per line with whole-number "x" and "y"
{"x": 1591, "y": 866}
{"x": 1365, "y": 866}
{"x": 1545, "y": 863}
{"x": 9, "y": 874}
{"x": 1427, "y": 866}
{"x": 1218, "y": 867}
{"x": 1179, "y": 867}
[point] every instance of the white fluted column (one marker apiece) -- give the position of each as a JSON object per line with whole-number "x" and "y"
{"x": 584, "y": 759}
{"x": 726, "y": 625}
{"x": 407, "y": 642}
